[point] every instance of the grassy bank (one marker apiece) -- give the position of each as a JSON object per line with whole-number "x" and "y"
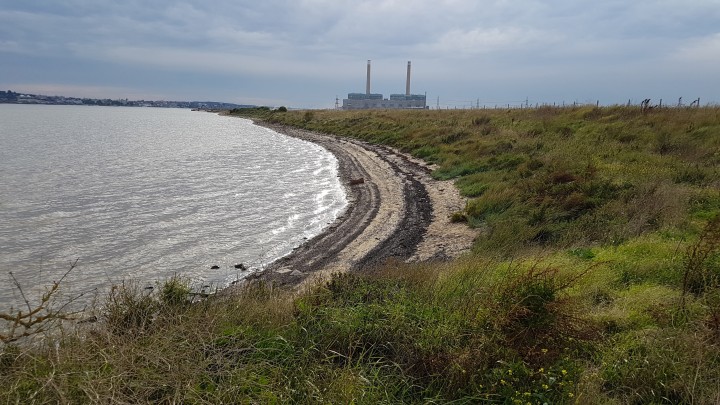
{"x": 595, "y": 280}
{"x": 553, "y": 177}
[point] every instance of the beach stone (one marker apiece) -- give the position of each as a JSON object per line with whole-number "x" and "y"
{"x": 297, "y": 273}
{"x": 283, "y": 270}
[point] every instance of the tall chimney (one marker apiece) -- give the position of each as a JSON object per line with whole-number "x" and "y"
{"x": 407, "y": 83}
{"x": 367, "y": 84}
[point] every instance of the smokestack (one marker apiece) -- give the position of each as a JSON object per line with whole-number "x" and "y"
{"x": 367, "y": 84}
{"x": 407, "y": 83}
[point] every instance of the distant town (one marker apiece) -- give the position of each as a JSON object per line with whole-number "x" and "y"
{"x": 11, "y": 97}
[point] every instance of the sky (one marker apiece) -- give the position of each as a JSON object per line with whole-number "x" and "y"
{"x": 305, "y": 53}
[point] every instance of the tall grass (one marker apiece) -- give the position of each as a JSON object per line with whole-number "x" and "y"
{"x": 556, "y": 176}
{"x": 401, "y": 334}
{"x": 596, "y": 281}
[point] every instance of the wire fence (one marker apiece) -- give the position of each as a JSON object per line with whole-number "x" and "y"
{"x": 439, "y": 104}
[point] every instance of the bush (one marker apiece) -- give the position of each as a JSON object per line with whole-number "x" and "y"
{"x": 701, "y": 269}
{"x": 128, "y": 309}
{"x": 175, "y": 293}
{"x": 535, "y": 316}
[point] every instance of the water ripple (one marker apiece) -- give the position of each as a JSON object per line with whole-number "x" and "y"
{"x": 149, "y": 193}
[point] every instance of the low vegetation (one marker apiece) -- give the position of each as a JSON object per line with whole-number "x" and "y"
{"x": 596, "y": 279}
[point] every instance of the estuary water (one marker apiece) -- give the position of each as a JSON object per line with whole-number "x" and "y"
{"x": 147, "y": 193}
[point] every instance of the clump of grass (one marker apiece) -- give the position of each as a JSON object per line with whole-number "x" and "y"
{"x": 701, "y": 270}
{"x": 458, "y": 217}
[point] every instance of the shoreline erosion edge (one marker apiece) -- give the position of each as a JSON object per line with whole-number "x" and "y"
{"x": 395, "y": 210}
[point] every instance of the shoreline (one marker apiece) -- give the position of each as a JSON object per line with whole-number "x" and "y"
{"x": 395, "y": 211}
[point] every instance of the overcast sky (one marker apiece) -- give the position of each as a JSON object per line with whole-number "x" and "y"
{"x": 304, "y": 53}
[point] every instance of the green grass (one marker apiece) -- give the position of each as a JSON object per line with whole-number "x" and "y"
{"x": 596, "y": 280}
{"x": 556, "y": 176}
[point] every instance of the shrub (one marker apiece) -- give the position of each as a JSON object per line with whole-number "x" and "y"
{"x": 128, "y": 309}
{"x": 41, "y": 316}
{"x": 175, "y": 293}
{"x": 700, "y": 270}
{"x": 536, "y": 318}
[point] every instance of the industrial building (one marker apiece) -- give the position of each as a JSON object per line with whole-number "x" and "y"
{"x": 368, "y": 100}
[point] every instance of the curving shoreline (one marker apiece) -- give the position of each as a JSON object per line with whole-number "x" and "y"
{"x": 395, "y": 210}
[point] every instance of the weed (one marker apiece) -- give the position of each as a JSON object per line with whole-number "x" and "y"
{"x": 129, "y": 310}
{"x": 175, "y": 293}
{"x": 698, "y": 275}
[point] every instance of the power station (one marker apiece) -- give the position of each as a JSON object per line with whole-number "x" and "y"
{"x": 368, "y": 100}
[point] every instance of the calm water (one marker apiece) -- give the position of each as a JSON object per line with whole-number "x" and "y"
{"x": 147, "y": 193}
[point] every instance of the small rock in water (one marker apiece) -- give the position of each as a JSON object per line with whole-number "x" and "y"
{"x": 214, "y": 267}
{"x": 240, "y": 266}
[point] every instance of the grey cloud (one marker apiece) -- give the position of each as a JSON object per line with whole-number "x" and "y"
{"x": 455, "y": 44}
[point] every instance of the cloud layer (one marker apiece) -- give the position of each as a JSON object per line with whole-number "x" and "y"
{"x": 305, "y": 52}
